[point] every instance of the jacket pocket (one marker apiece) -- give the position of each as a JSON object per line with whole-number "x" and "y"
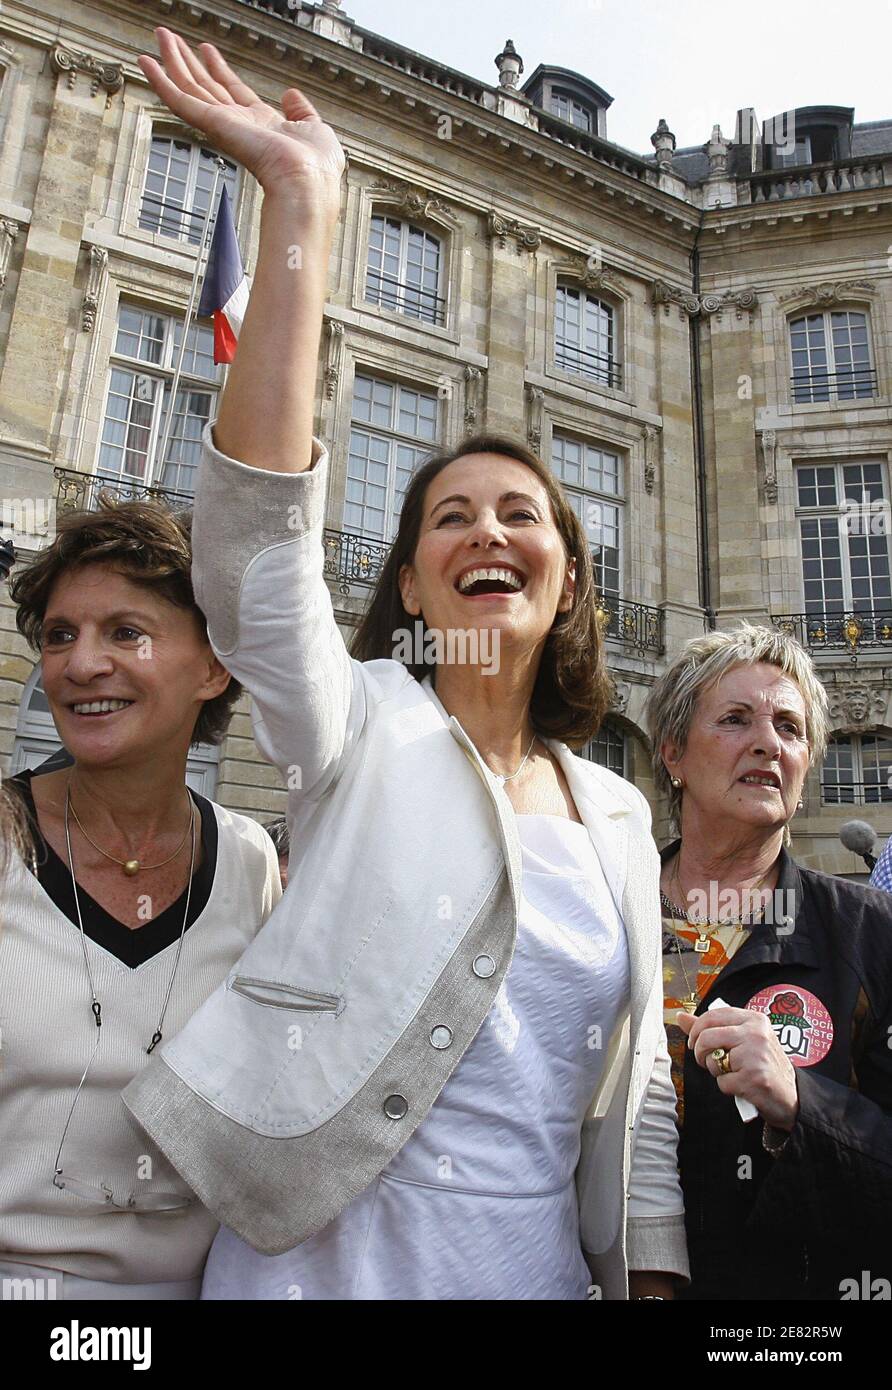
{"x": 280, "y": 996}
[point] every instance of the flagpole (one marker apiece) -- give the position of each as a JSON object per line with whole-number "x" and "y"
{"x": 157, "y": 470}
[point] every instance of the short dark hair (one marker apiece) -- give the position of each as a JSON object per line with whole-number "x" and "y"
{"x": 277, "y": 830}
{"x": 572, "y": 690}
{"x": 149, "y": 544}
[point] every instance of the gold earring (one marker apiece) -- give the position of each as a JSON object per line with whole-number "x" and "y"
{"x": 676, "y": 782}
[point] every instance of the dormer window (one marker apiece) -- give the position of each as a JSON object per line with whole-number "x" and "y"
{"x": 569, "y": 96}
{"x": 565, "y": 106}
{"x": 809, "y": 135}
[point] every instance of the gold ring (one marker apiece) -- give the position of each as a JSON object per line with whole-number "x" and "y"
{"x": 720, "y": 1054}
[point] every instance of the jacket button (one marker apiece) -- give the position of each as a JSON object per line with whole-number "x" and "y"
{"x": 484, "y": 966}
{"x": 441, "y": 1037}
{"x": 395, "y": 1107}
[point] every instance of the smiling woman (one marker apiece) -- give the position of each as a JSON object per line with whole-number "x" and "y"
{"x": 468, "y": 940}
{"x": 140, "y": 897}
{"x": 538, "y": 566}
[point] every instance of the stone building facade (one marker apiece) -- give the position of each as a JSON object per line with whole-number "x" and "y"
{"x": 698, "y": 340}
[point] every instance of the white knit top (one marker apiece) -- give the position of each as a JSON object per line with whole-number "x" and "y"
{"x": 48, "y": 1034}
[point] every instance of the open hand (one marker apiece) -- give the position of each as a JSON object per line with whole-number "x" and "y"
{"x": 290, "y": 151}
{"x": 760, "y": 1071}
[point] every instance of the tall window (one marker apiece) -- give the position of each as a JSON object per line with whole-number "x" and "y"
{"x": 393, "y": 428}
{"x": 608, "y": 748}
{"x": 563, "y": 105}
{"x": 138, "y": 399}
{"x": 857, "y": 770}
{"x": 178, "y": 186}
{"x": 404, "y": 270}
{"x": 831, "y": 357}
{"x": 585, "y": 336}
{"x": 844, "y": 536}
{"x": 593, "y": 483}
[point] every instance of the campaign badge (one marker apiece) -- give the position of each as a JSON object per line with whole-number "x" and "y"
{"x": 801, "y": 1024}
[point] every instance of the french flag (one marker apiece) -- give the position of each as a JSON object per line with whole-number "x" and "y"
{"x": 224, "y": 294}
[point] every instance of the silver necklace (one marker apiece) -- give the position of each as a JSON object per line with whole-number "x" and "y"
{"x": 95, "y": 1006}
{"x": 511, "y": 776}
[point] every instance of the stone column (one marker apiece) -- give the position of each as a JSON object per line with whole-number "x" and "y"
{"x": 738, "y": 590}
{"x": 46, "y": 314}
{"x": 677, "y": 525}
{"x": 510, "y": 266}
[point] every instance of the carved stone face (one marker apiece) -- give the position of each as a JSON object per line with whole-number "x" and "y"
{"x": 858, "y": 705}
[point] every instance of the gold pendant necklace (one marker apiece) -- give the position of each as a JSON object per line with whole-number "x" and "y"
{"x": 131, "y": 867}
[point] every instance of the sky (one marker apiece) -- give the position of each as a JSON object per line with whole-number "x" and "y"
{"x": 696, "y": 62}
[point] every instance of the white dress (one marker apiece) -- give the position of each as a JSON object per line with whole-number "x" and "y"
{"x": 480, "y": 1202}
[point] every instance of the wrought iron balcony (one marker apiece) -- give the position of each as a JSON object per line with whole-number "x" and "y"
{"x": 634, "y": 624}
{"x": 826, "y": 630}
{"x": 603, "y": 367}
{"x": 352, "y": 560}
{"x": 849, "y": 384}
{"x": 404, "y": 298}
{"x": 77, "y": 492}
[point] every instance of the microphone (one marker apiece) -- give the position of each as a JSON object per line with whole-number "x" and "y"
{"x": 860, "y": 838}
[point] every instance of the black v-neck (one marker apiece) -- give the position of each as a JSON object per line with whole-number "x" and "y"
{"x": 131, "y": 946}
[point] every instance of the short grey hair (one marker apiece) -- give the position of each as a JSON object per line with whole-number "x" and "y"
{"x": 700, "y": 665}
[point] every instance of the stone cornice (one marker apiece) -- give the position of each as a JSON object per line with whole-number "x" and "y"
{"x": 269, "y": 40}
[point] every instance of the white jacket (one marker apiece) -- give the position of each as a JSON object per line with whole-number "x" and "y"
{"x": 281, "y": 1100}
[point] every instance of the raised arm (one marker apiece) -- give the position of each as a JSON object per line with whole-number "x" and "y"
{"x": 265, "y": 418}
{"x": 257, "y": 535}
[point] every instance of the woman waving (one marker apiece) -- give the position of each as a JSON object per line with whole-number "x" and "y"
{"x": 440, "y": 1071}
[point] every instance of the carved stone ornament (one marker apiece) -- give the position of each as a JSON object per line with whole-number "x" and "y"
{"x": 619, "y": 698}
{"x": 830, "y": 292}
{"x": 768, "y": 440}
{"x": 416, "y": 203}
{"x": 8, "y": 233}
{"x": 473, "y": 391}
{"x": 856, "y": 703}
{"x": 109, "y": 76}
{"x": 592, "y": 274}
{"x": 717, "y": 152}
{"x": 663, "y": 142}
{"x": 502, "y": 228}
{"x": 535, "y": 410}
{"x": 663, "y": 296}
{"x": 743, "y": 301}
{"x": 334, "y": 353}
{"x": 707, "y": 305}
{"x": 93, "y": 291}
{"x": 651, "y": 449}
